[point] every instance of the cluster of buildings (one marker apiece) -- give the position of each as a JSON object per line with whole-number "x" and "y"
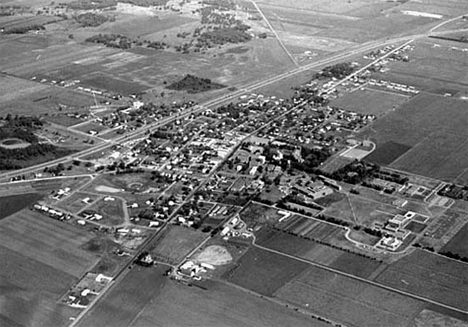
{"x": 53, "y": 213}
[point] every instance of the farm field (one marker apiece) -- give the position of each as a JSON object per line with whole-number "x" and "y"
{"x": 30, "y": 291}
{"x": 41, "y": 258}
{"x": 369, "y": 102}
{"x": 47, "y": 240}
{"x": 149, "y": 298}
{"x": 429, "y": 275}
{"x": 264, "y": 272}
{"x": 438, "y": 138}
{"x": 14, "y": 203}
{"x": 319, "y": 253}
{"x": 173, "y": 244}
{"x": 458, "y": 243}
{"x": 348, "y": 301}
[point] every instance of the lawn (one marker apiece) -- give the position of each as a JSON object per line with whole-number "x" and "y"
{"x": 349, "y": 301}
{"x": 174, "y": 243}
{"x": 264, "y": 272}
{"x": 429, "y": 275}
{"x": 14, "y": 203}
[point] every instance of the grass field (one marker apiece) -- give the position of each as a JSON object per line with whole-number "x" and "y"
{"x": 369, "y": 102}
{"x": 264, "y": 272}
{"x": 348, "y": 301}
{"x": 145, "y": 298}
{"x": 113, "y": 212}
{"x": 176, "y": 242}
{"x": 14, "y": 203}
{"x": 429, "y": 275}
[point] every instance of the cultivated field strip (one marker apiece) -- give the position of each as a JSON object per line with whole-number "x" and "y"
{"x": 53, "y": 58}
{"x": 48, "y": 241}
{"x": 431, "y": 276}
{"x": 349, "y": 301}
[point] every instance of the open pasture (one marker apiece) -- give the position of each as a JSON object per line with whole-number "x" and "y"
{"x": 174, "y": 243}
{"x": 48, "y": 241}
{"x": 349, "y": 301}
{"x": 369, "y": 102}
{"x": 429, "y": 275}
{"x": 264, "y": 272}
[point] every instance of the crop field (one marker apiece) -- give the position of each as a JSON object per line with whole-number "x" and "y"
{"x": 14, "y": 203}
{"x": 145, "y": 298}
{"x": 48, "y": 241}
{"x": 348, "y": 301}
{"x": 319, "y": 253}
{"x": 458, "y": 243}
{"x": 435, "y": 128}
{"x": 121, "y": 305}
{"x": 428, "y": 275}
{"x": 9, "y": 23}
{"x": 387, "y": 153}
{"x": 175, "y": 243}
{"x": 30, "y": 291}
{"x": 264, "y": 272}
{"x": 369, "y": 102}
